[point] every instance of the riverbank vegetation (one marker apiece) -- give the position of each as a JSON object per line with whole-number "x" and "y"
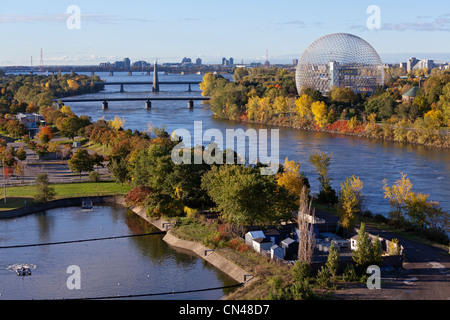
{"x": 269, "y": 96}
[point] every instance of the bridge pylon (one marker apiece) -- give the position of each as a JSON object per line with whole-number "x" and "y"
{"x": 155, "y": 78}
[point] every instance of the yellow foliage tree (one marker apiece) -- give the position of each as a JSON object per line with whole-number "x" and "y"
{"x": 207, "y": 84}
{"x": 66, "y": 110}
{"x": 319, "y": 110}
{"x": 117, "y": 123}
{"x": 291, "y": 178}
{"x": 253, "y": 108}
{"x": 349, "y": 204}
{"x": 303, "y": 106}
{"x": 398, "y": 196}
{"x": 434, "y": 118}
{"x": 73, "y": 85}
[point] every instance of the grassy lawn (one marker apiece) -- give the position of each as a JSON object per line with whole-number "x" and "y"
{"x": 15, "y": 196}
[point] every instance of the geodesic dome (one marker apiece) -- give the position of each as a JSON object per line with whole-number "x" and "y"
{"x": 341, "y": 60}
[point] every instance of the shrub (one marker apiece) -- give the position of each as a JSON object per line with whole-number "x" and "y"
{"x": 94, "y": 176}
{"x": 350, "y": 273}
{"x": 301, "y": 270}
{"x": 237, "y": 244}
{"x": 323, "y": 277}
{"x": 298, "y": 291}
{"x": 44, "y": 192}
{"x": 137, "y": 195}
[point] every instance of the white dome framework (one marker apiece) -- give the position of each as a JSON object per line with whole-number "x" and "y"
{"x": 341, "y": 60}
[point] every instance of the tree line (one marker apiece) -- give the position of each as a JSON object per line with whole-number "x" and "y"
{"x": 270, "y": 96}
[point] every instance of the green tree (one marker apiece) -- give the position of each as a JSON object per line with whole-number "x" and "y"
{"x": 247, "y": 197}
{"x": 68, "y": 126}
{"x": 321, "y": 162}
{"x": 119, "y": 170}
{"x": 81, "y": 161}
{"x": 44, "y": 192}
{"x": 366, "y": 253}
{"x": 333, "y": 260}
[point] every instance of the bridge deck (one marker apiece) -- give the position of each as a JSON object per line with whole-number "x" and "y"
{"x": 174, "y": 98}
{"x": 145, "y": 82}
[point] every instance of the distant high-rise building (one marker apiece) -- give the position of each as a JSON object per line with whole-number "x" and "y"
{"x": 119, "y": 64}
{"x": 425, "y": 63}
{"x": 411, "y": 63}
{"x": 186, "y": 61}
{"x": 127, "y": 63}
{"x": 224, "y": 61}
{"x": 295, "y": 62}
{"x": 141, "y": 64}
{"x": 231, "y": 61}
{"x": 198, "y": 61}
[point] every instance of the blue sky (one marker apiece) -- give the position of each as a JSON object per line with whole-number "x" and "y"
{"x": 171, "y": 30}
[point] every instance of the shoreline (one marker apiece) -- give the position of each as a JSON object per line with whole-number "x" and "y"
{"x": 207, "y": 254}
{"x": 349, "y": 134}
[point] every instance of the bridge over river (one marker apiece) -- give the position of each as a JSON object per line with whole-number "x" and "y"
{"x": 148, "y": 100}
{"x": 153, "y": 84}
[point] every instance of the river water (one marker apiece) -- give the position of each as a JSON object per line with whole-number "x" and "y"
{"x": 107, "y": 268}
{"x": 147, "y": 265}
{"x": 370, "y": 160}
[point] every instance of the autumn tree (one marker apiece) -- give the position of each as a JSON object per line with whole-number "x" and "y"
{"x": 292, "y": 179}
{"x": 117, "y": 123}
{"x": 303, "y": 106}
{"x": 319, "y": 110}
{"x": 45, "y": 134}
{"x": 398, "y": 196}
{"x": 350, "y": 202}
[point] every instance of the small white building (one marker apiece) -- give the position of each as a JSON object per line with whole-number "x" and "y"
{"x": 257, "y": 240}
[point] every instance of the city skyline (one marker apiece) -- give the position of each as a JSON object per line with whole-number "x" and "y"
{"x": 170, "y": 30}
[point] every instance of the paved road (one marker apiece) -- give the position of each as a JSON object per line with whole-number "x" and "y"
{"x": 426, "y": 274}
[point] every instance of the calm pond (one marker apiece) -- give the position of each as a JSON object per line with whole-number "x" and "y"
{"x": 108, "y": 268}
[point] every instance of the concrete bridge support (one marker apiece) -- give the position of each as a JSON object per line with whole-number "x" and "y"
{"x": 121, "y": 88}
{"x": 105, "y": 105}
{"x": 148, "y": 104}
{"x": 189, "y": 88}
{"x": 190, "y": 104}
